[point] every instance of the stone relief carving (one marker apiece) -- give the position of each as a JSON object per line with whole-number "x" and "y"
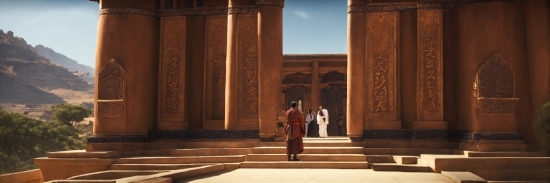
{"x": 297, "y": 78}
{"x": 495, "y": 78}
{"x": 242, "y": 10}
{"x": 430, "y": 80}
{"x": 127, "y": 11}
{"x": 381, "y": 66}
{"x": 500, "y": 107}
{"x": 171, "y": 68}
{"x": 378, "y": 7}
{"x": 495, "y": 85}
{"x": 111, "y": 81}
{"x": 110, "y": 108}
{"x": 248, "y": 68}
{"x": 280, "y": 3}
{"x": 193, "y": 12}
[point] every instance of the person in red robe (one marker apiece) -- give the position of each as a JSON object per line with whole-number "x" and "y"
{"x": 294, "y": 131}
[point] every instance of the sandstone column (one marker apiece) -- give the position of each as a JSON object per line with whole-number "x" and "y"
{"x": 382, "y": 55}
{"x": 429, "y": 94}
{"x": 242, "y": 84}
{"x": 126, "y": 69}
{"x": 270, "y": 63}
{"x": 171, "y": 96}
{"x": 537, "y": 20}
{"x": 315, "y": 85}
{"x": 356, "y": 71}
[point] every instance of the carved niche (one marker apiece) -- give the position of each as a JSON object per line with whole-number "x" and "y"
{"x": 111, "y": 81}
{"x": 496, "y": 78}
{"x": 495, "y": 85}
{"x": 111, "y": 90}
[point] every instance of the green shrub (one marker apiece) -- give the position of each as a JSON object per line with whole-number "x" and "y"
{"x": 542, "y": 123}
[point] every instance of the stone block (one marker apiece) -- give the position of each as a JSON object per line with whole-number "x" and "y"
{"x": 463, "y": 177}
{"x": 58, "y": 168}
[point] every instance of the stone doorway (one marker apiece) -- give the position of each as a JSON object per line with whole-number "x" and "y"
{"x": 333, "y": 98}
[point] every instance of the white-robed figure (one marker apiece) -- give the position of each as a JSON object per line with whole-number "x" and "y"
{"x": 322, "y": 120}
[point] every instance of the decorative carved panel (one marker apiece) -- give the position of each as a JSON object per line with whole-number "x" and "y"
{"x": 430, "y": 64}
{"x": 111, "y": 81}
{"x": 381, "y": 57}
{"x": 495, "y": 78}
{"x": 498, "y": 106}
{"x": 247, "y": 58}
{"x": 279, "y": 3}
{"x": 216, "y": 47}
{"x": 297, "y": 78}
{"x": 110, "y": 108}
{"x": 172, "y": 66}
{"x": 333, "y": 76}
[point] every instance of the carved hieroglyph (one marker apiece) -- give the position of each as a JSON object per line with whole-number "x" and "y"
{"x": 381, "y": 58}
{"x": 172, "y": 67}
{"x": 111, "y": 90}
{"x": 247, "y": 57}
{"x": 430, "y": 65}
{"x": 215, "y": 60}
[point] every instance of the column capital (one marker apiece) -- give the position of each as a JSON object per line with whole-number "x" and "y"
{"x": 278, "y": 3}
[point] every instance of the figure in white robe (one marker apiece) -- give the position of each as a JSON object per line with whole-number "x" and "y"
{"x": 322, "y": 120}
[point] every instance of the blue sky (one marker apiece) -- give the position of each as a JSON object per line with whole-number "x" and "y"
{"x": 69, "y": 26}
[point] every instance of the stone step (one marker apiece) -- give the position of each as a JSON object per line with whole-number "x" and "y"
{"x": 310, "y": 150}
{"x": 308, "y": 139}
{"x": 462, "y": 163}
{"x": 181, "y": 160}
{"x": 198, "y": 152}
{"x": 521, "y": 181}
{"x": 536, "y": 174}
{"x": 405, "y": 159}
{"x": 404, "y": 151}
{"x": 152, "y": 166}
{"x": 307, "y": 157}
{"x": 305, "y": 164}
{"x": 400, "y": 168}
{"x": 468, "y": 177}
{"x": 310, "y": 144}
{"x": 380, "y": 159}
{"x": 504, "y": 154}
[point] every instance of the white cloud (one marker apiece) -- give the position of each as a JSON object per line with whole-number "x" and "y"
{"x": 301, "y": 14}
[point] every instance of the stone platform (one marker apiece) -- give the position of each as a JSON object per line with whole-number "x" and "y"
{"x": 172, "y": 165}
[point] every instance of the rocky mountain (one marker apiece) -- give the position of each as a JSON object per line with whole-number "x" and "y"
{"x": 28, "y": 78}
{"x": 83, "y": 71}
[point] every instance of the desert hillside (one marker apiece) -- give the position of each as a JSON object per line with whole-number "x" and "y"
{"x": 29, "y": 82}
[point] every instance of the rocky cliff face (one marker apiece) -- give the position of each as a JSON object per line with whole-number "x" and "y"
{"x": 82, "y": 71}
{"x": 26, "y": 77}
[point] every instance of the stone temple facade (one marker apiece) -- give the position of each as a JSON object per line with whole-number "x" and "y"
{"x": 455, "y": 74}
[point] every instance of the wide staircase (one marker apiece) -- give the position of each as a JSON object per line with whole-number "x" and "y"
{"x": 337, "y": 153}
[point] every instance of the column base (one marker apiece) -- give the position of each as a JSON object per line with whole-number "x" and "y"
{"x": 430, "y": 125}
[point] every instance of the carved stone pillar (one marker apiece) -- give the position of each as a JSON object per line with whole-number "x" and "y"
{"x": 355, "y": 100}
{"x": 429, "y": 94}
{"x": 241, "y": 87}
{"x": 127, "y": 71}
{"x": 315, "y": 85}
{"x": 171, "y": 96}
{"x": 270, "y": 63}
{"x": 382, "y": 89}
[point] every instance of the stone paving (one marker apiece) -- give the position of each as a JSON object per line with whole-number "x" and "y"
{"x": 244, "y": 175}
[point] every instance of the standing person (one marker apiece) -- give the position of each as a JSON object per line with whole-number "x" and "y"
{"x": 322, "y": 120}
{"x": 294, "y": 130}
{"x": 309, "y": 118}
{"x": 341, "y": 122}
